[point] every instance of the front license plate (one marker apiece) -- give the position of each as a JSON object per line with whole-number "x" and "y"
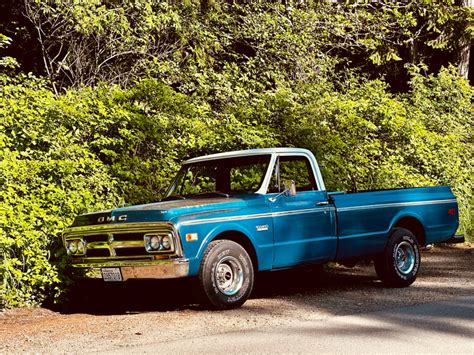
{"x": 111, "y": 274}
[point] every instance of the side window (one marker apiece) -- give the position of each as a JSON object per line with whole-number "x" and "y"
{"x": 296, "y": 168}
{"x": 247, "y": 178}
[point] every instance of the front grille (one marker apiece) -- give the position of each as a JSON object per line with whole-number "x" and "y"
{"x": 95, "y": 238}
{"x": 130, "y": 251}
{"x": 121, "y": 241}
{"x": 97, "y": 253}
{"x": 128, "y": 236}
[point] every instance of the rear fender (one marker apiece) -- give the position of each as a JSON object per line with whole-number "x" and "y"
{"x": 403, "y": 214}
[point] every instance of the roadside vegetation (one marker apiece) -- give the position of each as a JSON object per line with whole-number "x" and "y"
{"x": 101, "y": 100}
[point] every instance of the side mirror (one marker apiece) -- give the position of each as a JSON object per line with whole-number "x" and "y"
{"x": 290, "y": 188}
{"x": 289, "y": 191}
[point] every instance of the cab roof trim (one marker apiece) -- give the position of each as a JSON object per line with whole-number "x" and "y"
{"x": 248, "y": 152}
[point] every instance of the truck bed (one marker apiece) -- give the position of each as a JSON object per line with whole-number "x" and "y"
{"x": 364, "y": 219}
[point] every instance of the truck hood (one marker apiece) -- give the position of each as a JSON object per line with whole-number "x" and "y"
{"x": 160, "y": 211}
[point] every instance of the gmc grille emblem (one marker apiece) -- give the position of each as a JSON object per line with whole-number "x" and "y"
{"x": 121, "y": 218}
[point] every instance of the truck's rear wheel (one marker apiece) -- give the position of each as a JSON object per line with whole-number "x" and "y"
{"x": 398, "y": 265}
{"x": 226, "y": 275}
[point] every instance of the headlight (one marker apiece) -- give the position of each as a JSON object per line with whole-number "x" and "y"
{"x": 155, "y": 243}
{"x": 80, "y": 247}
{"x": 166, "y": 242}
{"x": 71, "y": 247}
{"x": 152, "y": 242}
{"x": 75, "y": 247}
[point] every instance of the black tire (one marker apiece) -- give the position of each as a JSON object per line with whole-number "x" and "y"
{"x": 225, "y": 276}
{"x": 400, "y": 262}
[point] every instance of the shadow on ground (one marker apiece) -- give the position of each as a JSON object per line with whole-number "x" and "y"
{"x": 324, "y": 288}
{"x": 99, "y": 298}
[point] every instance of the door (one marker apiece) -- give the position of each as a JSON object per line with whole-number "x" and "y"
{"x": 304, "y": 224}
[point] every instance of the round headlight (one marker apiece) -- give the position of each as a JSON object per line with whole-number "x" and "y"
{"x": 166, "y": 242}
{"x": 75, "y": 247}
{"x": 80, "y": 247}
{"x": 72, "y": 247}
{"x": 155, "y": 242}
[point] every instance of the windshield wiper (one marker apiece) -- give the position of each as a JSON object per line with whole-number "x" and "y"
{"x": 173, "y": 197}
{"x": 210, "y": 193}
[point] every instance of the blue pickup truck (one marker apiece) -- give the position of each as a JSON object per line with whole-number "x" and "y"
{"x": 227, "y": 216}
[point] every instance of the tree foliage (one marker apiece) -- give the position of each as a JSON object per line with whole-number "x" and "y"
{"x": 90, "y": 149}
{"x": 255, "y": 44}
{"x": 123, "y": 91}
{"x": 7, "y": 61}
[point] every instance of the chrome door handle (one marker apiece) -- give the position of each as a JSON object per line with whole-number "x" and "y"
{"x": 322, "y": 203}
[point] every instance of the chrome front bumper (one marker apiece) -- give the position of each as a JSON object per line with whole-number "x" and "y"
{"x": 163, "y": 269}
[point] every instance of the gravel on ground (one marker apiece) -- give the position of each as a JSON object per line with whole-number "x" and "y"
{"x": 117, "y": 317}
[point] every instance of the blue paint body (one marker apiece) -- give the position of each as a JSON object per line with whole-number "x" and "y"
{"x": 311, "y": 227}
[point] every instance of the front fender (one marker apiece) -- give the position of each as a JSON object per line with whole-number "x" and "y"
{"x": 217, "y": 230}
{"x": 261, "y": 241}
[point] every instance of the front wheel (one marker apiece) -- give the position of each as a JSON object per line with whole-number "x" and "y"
{"x": 226, "y": 275}
{"x": 398, "y": 265}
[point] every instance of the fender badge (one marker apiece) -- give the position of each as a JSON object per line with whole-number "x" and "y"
{"x": 191, "y": 237}
{"x": 262, "y": 228}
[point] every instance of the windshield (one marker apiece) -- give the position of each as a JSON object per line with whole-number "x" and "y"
{"x": 240, "y": 175}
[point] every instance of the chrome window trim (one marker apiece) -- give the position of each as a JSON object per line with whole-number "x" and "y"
{"x": 274, "y": 153}
{"x": 261, "y": 189}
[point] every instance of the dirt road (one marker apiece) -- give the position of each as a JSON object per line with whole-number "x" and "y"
{"x": 140, "y": 316}
{"x": 441, "y": 327}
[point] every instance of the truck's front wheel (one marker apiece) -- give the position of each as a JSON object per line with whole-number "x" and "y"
{"x": 226, "y": 275}
{"x": 398, "y": 265}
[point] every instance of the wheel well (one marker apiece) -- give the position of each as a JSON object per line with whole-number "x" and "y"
{"x": 245, "y": 242}
{"x": 414, "y": 226}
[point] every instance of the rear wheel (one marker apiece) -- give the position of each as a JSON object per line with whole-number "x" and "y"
{"x": 226, "y": 275}
{"x": 398, "y": 265}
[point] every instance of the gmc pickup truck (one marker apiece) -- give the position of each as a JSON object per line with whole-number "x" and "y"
{"x": 227, "y": 216}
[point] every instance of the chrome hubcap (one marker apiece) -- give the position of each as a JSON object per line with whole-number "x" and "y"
{"x": 405, "y": 257}
{"x": 229, "y": 275}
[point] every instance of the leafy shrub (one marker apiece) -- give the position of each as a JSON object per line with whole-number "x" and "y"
{"x": 47, "y": 177}
{"x": 94, "y": 148}
{"x": 365, "y": 137}
{"x": 86, "y": 150}
{"x": 144, "y": 133}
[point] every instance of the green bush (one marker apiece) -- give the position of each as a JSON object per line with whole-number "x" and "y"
{"x": 365, "y": 137}
{"x": 46, "y": 178}
{"x": 94, "y": 148}
{"x": 144, "y": 133}
{"x": 86, "y": 150}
